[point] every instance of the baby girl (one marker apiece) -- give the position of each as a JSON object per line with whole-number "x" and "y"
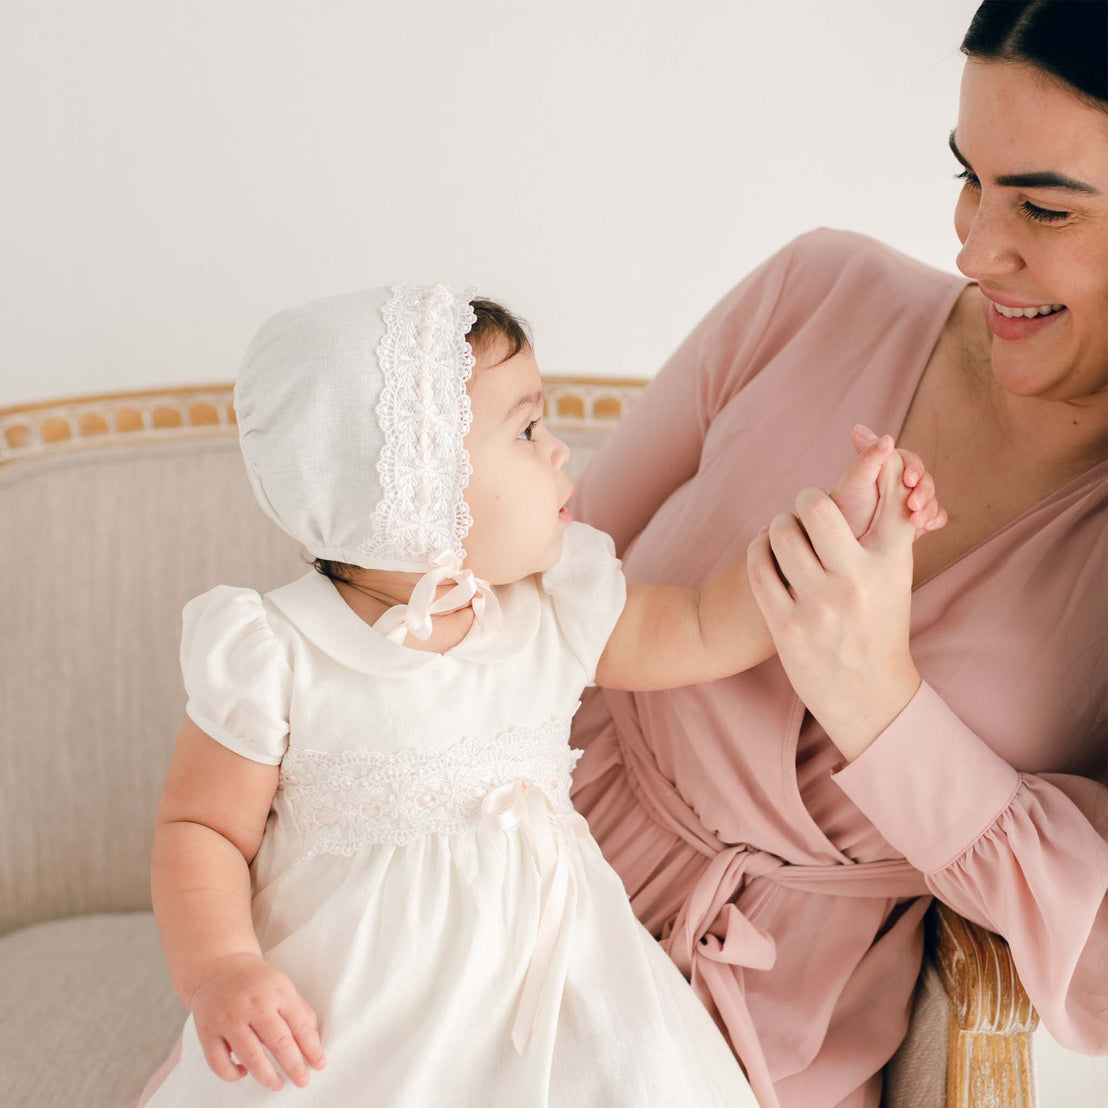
{"x": 365, "y": 846}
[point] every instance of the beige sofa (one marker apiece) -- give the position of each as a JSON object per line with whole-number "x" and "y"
{"x": 114, "y": 511}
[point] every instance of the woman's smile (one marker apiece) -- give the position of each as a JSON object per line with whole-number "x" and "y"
{"x": 1012, "y": 324}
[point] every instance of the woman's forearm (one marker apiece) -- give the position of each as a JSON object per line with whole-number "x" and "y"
{"x": 200, "y": 885}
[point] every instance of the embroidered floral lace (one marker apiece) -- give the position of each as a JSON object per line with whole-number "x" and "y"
{"x": 346, "y": 801}
{"x": 423, "y": 465}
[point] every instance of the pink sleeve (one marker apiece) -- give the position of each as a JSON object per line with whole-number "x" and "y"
{"x": 1024, "y": 855}
{"x": 656, "y": 446}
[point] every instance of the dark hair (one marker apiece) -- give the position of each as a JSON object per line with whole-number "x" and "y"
{"x": 493, "y": 321}
{"x": 1066, "y": 38}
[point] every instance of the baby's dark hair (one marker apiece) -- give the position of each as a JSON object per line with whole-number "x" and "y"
{"x": 494, "y": 322}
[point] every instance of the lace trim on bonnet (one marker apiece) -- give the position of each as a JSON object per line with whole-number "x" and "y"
{"x": 425, "y": 413}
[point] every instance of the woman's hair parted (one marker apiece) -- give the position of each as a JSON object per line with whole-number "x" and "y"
{"x": 494, "y": 324}
{"x": 1067, "y": 39}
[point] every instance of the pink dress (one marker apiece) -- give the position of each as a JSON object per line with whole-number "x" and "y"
{"x": 789, "y": 886}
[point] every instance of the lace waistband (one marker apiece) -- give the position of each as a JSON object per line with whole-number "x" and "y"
{"x": 343, "y": 802}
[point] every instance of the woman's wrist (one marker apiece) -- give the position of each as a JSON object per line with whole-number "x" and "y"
{"x": 854, "y": 732}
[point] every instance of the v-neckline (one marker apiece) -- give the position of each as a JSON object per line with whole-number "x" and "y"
{"x": 1101, "y": 468}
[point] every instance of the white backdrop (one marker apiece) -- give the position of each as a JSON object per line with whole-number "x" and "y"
{"x": 175, "y": 171}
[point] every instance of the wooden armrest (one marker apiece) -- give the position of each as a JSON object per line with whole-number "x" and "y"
{"x": 991, "y": 1016}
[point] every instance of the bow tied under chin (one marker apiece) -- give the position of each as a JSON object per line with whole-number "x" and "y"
{"x": 414, "y": 618}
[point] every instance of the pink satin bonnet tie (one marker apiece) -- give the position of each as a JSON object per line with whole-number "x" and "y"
{"x": 415, "y": 617}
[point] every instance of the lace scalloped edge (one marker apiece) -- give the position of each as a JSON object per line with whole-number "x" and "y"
{"x": 424, "y": 466}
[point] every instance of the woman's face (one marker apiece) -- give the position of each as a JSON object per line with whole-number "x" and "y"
{"x": 1033, "y": 222}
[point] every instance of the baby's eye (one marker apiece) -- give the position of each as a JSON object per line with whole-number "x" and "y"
{"x": 528, "y": 430}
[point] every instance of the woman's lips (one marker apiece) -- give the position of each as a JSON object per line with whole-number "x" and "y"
{"x": 1012, "y": 328}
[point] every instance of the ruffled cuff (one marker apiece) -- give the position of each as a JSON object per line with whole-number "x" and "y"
{"x": 929, "y": 784}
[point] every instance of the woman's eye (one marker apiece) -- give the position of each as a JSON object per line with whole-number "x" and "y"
{"x": 1032, "y": 211}
{"x": 1042, "y": 215}
{"x": 528, "y": 430}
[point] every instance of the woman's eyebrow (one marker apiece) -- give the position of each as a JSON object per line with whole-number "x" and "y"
{"x": 1043, "y": 179}
{"x": 529, "y": 401}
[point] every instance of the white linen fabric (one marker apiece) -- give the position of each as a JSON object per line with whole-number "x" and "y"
{"x": 423, "y": 878}
{"x": 352, "y": 411}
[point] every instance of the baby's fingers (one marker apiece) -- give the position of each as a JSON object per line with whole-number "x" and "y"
{"x": 923, "y": 494}
{"x": 914, "y": 468}
{"x": 276, "y": 1034}
{"x": 872, "y": 454}
{"x": 248, "y": 1048}
{"x": 305, "y": 1027}
{"x": 217, "y": 1053}
{"x": 938, "y": 520}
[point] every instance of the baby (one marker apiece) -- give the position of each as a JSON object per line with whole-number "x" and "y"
{"x": 365, "y": 838}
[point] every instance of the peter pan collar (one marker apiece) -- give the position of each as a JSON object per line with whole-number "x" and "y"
{"x": 318, "y": 611}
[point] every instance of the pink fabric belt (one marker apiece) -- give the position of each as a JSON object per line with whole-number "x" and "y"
{"x": 710, "y": 934}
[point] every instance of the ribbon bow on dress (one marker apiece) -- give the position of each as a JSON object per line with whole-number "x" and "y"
{"x": 415, "y": 616}
{"x": 521, "y": 804}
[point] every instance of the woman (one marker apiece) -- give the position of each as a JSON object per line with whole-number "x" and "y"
{"x": 782, "y": 831}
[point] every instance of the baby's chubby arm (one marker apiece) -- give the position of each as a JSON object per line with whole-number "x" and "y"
{"x": 668, "y": 636}
{"x": 210, "y": 821}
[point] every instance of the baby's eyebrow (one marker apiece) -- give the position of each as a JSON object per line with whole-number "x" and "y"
{"x": 528, "y": 401}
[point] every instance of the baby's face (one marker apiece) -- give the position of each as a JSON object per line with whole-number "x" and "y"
{"x": 517, "y": 487}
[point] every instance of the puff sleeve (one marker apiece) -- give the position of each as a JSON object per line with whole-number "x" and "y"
{"x": 236, "y": 673}
{"x": 588, "y": 591}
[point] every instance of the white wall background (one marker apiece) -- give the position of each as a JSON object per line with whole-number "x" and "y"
{"x": 177, "y": 170}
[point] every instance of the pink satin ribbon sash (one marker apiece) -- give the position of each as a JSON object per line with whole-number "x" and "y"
{"x": 521, "y": 804}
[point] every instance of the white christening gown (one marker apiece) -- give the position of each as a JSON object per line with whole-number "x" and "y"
{"x": 423, "y": 878}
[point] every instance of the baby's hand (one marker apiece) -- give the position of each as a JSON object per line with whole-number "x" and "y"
{"x": 856, "y": 491}
{"x": 244, "y": 1003}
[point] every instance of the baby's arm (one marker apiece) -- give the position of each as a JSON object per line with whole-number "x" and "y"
{"x": 668, "y": 636}
{"x": 210, "y": 822}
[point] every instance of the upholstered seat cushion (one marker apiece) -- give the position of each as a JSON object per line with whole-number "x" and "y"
{"x": 87, "y": 1011}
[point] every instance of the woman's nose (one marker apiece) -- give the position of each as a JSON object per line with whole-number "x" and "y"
{"x": 987, "y": 250}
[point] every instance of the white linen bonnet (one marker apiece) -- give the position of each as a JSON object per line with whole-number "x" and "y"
{"x": 352, "y": 410}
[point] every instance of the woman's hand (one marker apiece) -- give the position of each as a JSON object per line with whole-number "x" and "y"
{"x": 242, "y": 1004}
{"x": 839, "y": 610}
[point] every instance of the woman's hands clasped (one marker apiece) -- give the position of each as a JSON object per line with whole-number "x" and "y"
{"x": 244, "y": 1003}
{"x": 839, "y": 609}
